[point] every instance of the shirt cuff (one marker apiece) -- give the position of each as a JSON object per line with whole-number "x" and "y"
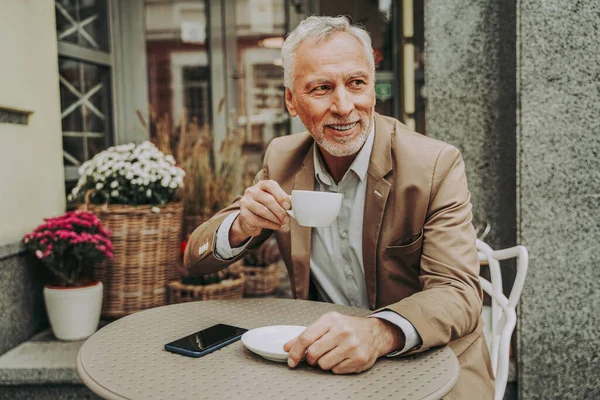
{"x": 223, "y": 250}
{"x": 412, "y": 337}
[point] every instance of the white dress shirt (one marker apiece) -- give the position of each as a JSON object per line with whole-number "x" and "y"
{"x": 336, "y": 262}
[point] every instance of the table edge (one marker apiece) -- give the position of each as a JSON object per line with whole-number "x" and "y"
{"x": 91, "y": 384}
{"x": 450, "y": 383}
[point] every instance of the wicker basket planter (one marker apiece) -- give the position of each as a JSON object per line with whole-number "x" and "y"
{"x": 146, "y": 242}
{"x": 260, "y": 281}
{"x": 231, "y": 288}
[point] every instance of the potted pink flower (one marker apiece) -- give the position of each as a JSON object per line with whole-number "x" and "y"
{"x": 69, "y": 245}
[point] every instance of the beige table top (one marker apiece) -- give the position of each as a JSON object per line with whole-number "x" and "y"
{"x": 126, "y": 359}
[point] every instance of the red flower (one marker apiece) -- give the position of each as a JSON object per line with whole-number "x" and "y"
{"x": 68, "y": 243}
{"x": 183, "y": 246}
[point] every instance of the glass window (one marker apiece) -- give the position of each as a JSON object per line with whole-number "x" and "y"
{"x": 177, "y": 54}
{"x": 83, "y": 22}
{"x": 419, "y": 41}
{"x": 195, "y": 94}
{"x": 85, "y": 109}
{"x": 260, "y": 31}
{"x": 84, "y": 67}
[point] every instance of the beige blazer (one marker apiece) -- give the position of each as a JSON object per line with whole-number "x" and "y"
{"x": 419, "y": 250}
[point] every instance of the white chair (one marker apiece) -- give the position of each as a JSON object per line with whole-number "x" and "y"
{"x": 500, "y": 318}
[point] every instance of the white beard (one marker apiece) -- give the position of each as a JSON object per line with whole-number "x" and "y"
{"x": 343, "y": 146}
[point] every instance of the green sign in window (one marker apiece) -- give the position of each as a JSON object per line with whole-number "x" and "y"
{"x": 383, "y": 91}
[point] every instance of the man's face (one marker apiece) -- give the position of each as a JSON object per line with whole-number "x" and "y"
{"x": 334, "y": 93}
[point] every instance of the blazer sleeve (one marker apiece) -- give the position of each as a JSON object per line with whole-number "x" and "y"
{"x": 199, "y": 257}
{"x": 449, "y": 305}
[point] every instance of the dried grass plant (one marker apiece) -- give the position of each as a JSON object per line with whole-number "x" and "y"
{"x": 213, "y": 178}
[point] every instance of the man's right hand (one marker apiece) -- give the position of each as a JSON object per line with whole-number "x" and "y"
{"x": 263, "y": 206}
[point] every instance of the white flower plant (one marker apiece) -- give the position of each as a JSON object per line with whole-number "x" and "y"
{"x": 129, "y": 174}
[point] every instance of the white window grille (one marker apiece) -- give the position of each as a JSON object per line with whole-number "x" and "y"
{"x": 85, "y": 68}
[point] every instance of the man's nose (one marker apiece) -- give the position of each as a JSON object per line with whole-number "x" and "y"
{"x": 342, "y": 104}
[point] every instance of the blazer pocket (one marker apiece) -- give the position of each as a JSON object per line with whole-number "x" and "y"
{"x": 404, "y": 250}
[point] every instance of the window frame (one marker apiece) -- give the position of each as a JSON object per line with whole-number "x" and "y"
{"x": 128, "y": 71}
{"x": 100, "y": 58}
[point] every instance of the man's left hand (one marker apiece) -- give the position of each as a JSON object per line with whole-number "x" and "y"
{"x": 344, "y": 344}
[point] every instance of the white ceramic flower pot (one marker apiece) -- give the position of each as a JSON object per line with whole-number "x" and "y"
{"x": 74, "y": 312}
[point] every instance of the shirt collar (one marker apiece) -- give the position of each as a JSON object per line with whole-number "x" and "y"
{"x": 360, "y": 165}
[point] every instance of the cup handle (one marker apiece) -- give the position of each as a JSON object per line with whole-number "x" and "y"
{"x": 290, "y": 213}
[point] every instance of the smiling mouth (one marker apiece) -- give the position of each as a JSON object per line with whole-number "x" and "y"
{"x": 343, "y": 127}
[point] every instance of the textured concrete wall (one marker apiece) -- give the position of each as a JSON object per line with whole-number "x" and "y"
{"x": 47, "y": 392}
{"x": 559, "y": 173}
{"x": 22, "y": 312}
{"x": 533, "y": 169}
{"x": 470, "y": 76}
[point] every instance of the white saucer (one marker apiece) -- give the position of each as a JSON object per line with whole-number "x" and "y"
{"x": 268, "y": 341}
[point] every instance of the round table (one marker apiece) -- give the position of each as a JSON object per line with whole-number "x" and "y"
{"x": 126, "y": 359}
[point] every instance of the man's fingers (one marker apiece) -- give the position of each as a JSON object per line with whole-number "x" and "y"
{"x": 346, "y": 366}
{"x": 254, "y": 222}
{"x": 336, "y": 342}
{"x": 280, "y": 195}
{"x": 270, "y": 202}
{"x": 289, "y": 345}
{"x": 262, "y": 211}
{"x": 331, "y": 359}
{"x": 327, "y": 344}
{"x": 310, "y": 335}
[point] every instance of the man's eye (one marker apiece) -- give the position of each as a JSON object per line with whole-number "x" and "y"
{"x": 358, "y": 82}
{"x": 320, "y": 88}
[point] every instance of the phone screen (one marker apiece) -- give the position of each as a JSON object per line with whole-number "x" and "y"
{"x": 206, "y": 339}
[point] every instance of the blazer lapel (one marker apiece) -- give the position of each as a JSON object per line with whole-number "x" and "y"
{"x": 301, "y": 235}
{"x": 376, "y": 197}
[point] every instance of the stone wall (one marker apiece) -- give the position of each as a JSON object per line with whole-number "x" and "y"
{"x": 22, "y": 312}
{"x": 559, "y": 210}
{"x": 471, "y": 101}
{"x": 470, "y": 78}
{"x": 515, "y": 85}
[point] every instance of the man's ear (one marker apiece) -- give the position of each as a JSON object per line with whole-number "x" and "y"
{"x": 289, "y": 103}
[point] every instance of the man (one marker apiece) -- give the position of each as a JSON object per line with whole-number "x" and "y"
{"x": 403, "y": 243}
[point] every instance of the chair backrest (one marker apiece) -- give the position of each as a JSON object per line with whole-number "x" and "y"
{"x": 503, "y": 315}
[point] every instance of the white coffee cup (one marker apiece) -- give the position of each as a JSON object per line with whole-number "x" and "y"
{"x": 315, "y": 209}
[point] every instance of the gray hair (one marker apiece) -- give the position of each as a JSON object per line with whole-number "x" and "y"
{"x": 321, "y": 29}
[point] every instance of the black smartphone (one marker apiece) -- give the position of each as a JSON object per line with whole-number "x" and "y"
{"x": 205, "y": 341}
